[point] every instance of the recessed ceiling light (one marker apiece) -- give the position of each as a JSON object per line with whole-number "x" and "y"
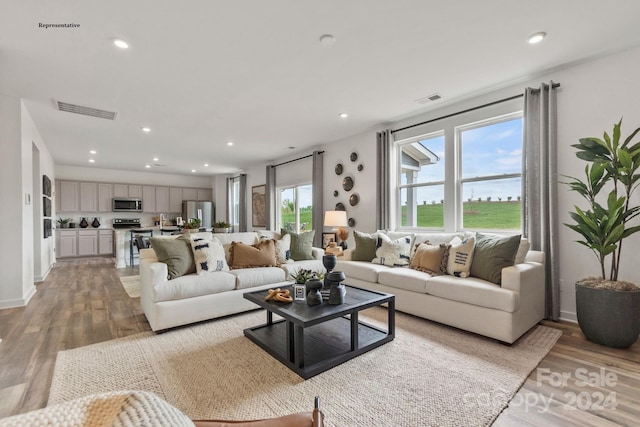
{"x": 146, "y": 129}
{"x": 193, "y": 170}
{"x": 147, "y": 166}
{"x": 229, "y": 143}
{"x": 206, "y": 165}
{"x": 344, "y": 115}
{"x": 327, "y": 40}
{"x": 91, "y": 161}
{"x": 92, "y": 151}
{"x": 155, "y": 159}
{"x": 537, "y": 37}
{"x": 121, "y": 44}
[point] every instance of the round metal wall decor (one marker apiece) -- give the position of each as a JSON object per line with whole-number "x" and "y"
{"x": 354, "y": 199}
{"x": 352, "y": 222}
{"x": 353, "y": 156}
{"x": 347, "y": 183}
{"x": 360, "y": 167}
{"x": 338, "y": 169}
{"x": 335, "y": 193}
{"x": 340, "y": 207}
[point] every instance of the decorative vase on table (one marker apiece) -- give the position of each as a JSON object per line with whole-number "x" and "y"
{"x": 333, "y": 280}
{"x": 314, "y": 297}
{"x": 84, "y": 223}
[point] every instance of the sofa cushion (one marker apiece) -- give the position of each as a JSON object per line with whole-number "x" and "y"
{"x": 492, "y": 254}
{"x": 192, "y": 285}
{"x": 208, "y": 255}
{"x": 394, "y": 253}
{"x": 365, "y": 249}
{"x": 361, "y": 270}
{"x": 405, "y": 278}
{"x": 176, "y": 253}
{"x": 251, "y": 277}
{"x": 460, "y": 257}
{"x": 473, "y": 291}
{"x": 430, "y": 259}
{"x": 262, "y": 254}
{"x": 301, "y": 244}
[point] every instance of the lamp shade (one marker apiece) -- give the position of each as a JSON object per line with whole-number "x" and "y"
{"x": 335, "y": 219}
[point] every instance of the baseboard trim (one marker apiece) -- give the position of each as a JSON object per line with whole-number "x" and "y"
{"x": 19, "y": 302}
{"x": 44, "y": 277}
{"x": 568, "y": 316}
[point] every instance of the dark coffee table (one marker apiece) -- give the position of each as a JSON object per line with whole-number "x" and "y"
{"x": 312, "y": 339}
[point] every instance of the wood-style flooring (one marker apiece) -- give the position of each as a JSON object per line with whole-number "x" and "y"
{"x": 82, "y": 302}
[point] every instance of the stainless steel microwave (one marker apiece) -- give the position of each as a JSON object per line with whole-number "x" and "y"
{"x": 127, "y": 204}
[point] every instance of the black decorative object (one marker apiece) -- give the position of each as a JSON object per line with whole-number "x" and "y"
{"x": 338, "y": 169}
{"x": 347, "y": 183}
{"x": 340, "y": 207}
{"x": 354, "y": 199}
{"x": 334, "y": 287}
{"x": 360, "y": 167}
{"x": 46, "y": 206}
{"x": 335, "y": 193}
{"x": 352, "y": 222}
{"x": 46, "y": 186}
{"x": 329, "y": 262}
{"x": 337, "y": 294}
{"x": 314, "y": 297}
{"x": 353, "y": 156}
{"x": 84, "y": 223}
{"x": 95, "y": 223}
{"x": 47, "y": 228}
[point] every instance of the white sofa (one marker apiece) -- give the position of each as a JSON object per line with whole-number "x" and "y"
{"x": 503, "y": 312}
{"x": 193, "y": 298}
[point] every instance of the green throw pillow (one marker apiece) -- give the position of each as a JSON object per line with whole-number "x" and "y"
{"x": 301, "y": 244}
{"x": 176, "y": 253}
{"x": 365, "y": 249}
{"x": 491, "y": 254}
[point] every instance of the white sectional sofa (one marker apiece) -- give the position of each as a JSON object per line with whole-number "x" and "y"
{"x": 503, "y": 312}
{"x": 193, "y": 298}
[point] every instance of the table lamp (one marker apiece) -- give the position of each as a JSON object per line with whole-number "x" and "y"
{"x": 338, "y": 220}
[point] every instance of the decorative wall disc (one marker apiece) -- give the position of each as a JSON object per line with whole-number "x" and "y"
{"x": 347, "y": 183}
{"x": 352, "y": 222}
{"x": 340, "y": 207}
{"x": 335, "y": 193}
{"x": 360, "y": 167}
{"x": 354, "y": 199}
{"x": 338, "y": 169}
{"x": 353, "y": 157}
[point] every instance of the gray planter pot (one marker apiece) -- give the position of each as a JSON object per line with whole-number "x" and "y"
{"x": 609, "y": 318}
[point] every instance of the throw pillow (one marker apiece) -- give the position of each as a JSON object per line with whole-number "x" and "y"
{"x": 430, "y": 259}
{"x": 460, "y": 257}
{"x": 523, "y": 250}
{"x": 208, "y": 255}
{"x": 394, "y": 253}
{"x": 301, "y": 244}
{"x": 366, "y": 244}
{"x": 262, "y": 254}
{"x": 176, "y": 253}
{"x": 283, "y": 247}
{"x": 492, "y": 254}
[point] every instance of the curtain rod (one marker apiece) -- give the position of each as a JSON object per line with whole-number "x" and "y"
{"x": 500, "y": 101}
{"x": 295, "y": 160}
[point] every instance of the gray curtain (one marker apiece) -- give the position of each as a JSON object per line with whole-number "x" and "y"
{"x": 317, "y": 196}
{"x": 539, "y": 186}
{"x": 270, "y": 198}
{"x": 383, "y": 171}
{"x": 242, "y": 204}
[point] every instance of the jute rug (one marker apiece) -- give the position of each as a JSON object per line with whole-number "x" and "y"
{"x": 430, "y": 375}
{"x": 131, "y": 285}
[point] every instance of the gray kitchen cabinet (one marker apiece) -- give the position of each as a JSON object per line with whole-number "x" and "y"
{"x": 105, "y": 194}
{"x": 149, "y": 199}
{"x": 88, "y": 197}
{"x": 120, "y": 190}
{"x": 87, "y": 242}
{"x": 162, "y": 199}
{"x": 189, "y": 194}
{"x": 66, "y": 243}
{"x": 135, "y": 191}
{"x": 105, "y": 242}
{"x": 68, "y": 191}
{"x": 175, "y": 200}
{"x": 204, "y": 195}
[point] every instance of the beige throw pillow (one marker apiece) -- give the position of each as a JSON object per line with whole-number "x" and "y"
{"x": 283, "y": 248}
{"x": 460, "y": 257}
{"x": 262, "y": 254}
{"x": 430, "y": 259}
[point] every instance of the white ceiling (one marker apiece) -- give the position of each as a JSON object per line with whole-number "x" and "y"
{"x": 202, "y": 72}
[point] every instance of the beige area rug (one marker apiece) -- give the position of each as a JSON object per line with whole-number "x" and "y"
{"x": 131, "y": 284}
{"x": 430, "y": 375}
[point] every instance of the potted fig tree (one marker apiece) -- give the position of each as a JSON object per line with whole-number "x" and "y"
{"x": 607, "y": 307}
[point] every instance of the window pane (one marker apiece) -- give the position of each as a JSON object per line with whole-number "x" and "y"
{"x": 494, "y": 149}
{"x": 296, "y": 208}
{"x": 423, "y": 161}
{"x": 422, "y": 206}
{"x": 288, "y": 209}
{"x": 493, "y": 204}
{"x": 305, "y": 204}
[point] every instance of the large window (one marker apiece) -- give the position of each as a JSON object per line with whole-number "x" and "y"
{"x": 462, "y": 174}
{"x": 295, "y": 212}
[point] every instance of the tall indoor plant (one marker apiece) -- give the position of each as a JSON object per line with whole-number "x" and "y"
{"x": 608, "y": 308}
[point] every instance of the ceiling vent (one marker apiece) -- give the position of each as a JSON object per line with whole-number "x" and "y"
{"x": 85, "y": 111}
{"x": 430, "y": 98}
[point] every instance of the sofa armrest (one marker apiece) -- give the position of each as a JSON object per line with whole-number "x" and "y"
{"x": 317, "y": 253}
{"x": 528, "y": 280}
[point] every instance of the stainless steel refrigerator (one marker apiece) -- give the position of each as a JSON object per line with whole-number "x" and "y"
{"x": 205, "y": 211}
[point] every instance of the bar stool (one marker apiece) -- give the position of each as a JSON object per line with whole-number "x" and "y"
{"x": 139, "y": 241}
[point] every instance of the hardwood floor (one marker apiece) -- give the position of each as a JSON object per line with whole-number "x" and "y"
{"x": 82, "y": 302}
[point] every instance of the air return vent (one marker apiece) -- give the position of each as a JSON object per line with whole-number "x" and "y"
{"x": 430, "y": 98}
{"x": 85, "y": 111}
